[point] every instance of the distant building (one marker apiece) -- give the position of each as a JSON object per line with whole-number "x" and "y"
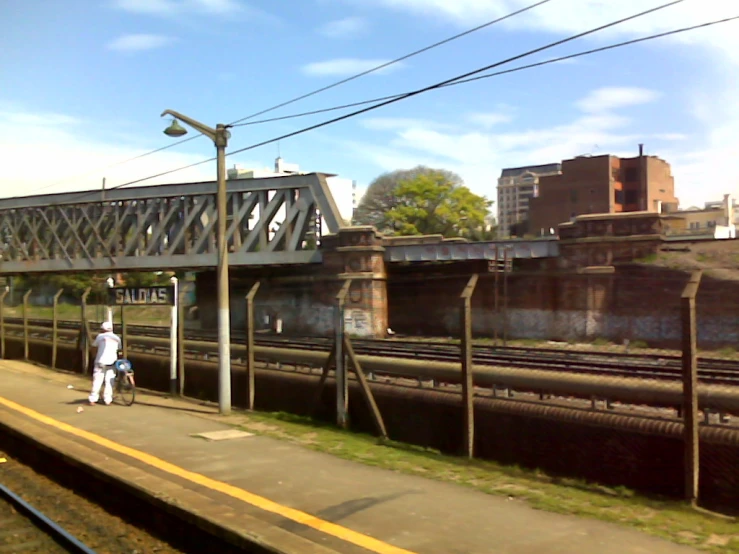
{"x": 516, "y": 187}
{"x": 601, "y": 185}
{"x": 342, "y": 190}
{"x": 716, "y": 219}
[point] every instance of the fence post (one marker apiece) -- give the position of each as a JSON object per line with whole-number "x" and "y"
{"x": 184, "y": 288}
{"x": 25, "y": 324}
{"x": 250, "y": 343}
{"x": 342, "y": 385}
{"x": 497, "y": 312}
{"x": 85, "y": 332}
{"x": 690, "y": 388}
{"x": 174, "y": 316}
{"x": 54, "y": 328}
{"x": 2, "y": 322}
{"x": 505, "y": 297}
{"x": 124, "y": 332}
{"x": 468, "y": 390}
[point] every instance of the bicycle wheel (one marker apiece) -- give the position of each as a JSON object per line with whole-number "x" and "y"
{"x": 126, "y": 391}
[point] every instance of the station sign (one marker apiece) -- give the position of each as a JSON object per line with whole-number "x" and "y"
{"x": 141, "y": 296}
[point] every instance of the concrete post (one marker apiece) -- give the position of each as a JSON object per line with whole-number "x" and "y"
{"x": 25, "y": 324}
{"x": 85, "y": 334}
{"x": 342, "y": 385}
{"x": 468, "y": 389}
{"x": 2, "y": 323}
{"x": 181, "y": 337}
{"x": 690, "y": 389}
{"x": 54, "y": 328}
{"x": 250, "y": 343}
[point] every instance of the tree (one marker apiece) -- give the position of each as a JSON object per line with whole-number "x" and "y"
{"x": 431, "y": 203}
{"x": 380, "y": 197}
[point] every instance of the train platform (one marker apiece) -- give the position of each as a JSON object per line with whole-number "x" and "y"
{"x": 284, "y": 497}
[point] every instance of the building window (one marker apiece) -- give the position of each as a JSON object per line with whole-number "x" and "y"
{"x": 632, "y": 197}
{"x": 632, "y": 174}
{"x": 619, "y": 197}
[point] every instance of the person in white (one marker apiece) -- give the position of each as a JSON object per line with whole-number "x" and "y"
{"x": 108, "y": 345}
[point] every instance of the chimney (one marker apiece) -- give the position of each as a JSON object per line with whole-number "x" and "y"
{"x": 641, "y": 150}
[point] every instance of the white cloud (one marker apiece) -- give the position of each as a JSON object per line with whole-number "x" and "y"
{"x": 469, "y": 148}
{"x": 490, "y": 119}
{"x": 138, "y": 43}
{"x": 399, "y": 123}
{"x": 12, "y": 117}
{"x": 610, "y": 98}
{"x": 177, "y": 7}
{"x": 704, "y": 163}
{"x": 557, "y": 17}
{"x": 345, "y": 66}
{"x": 192, "y": 11}
{"x": 66, "y": 156}
{"x": 342, "y": 28}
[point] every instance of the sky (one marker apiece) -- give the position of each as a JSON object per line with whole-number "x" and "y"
{"x": 83, "y": 84}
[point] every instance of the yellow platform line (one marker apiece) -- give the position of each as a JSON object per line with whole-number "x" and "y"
{"x": 353, "y": 537}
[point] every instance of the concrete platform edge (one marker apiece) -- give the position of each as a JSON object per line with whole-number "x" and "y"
{"x": 95, "y": 463}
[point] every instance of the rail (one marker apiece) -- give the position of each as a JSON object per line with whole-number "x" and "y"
{"x": 614, "y": 364}
{"x": 628, "y": 389}
{"x": 57, "y": 533}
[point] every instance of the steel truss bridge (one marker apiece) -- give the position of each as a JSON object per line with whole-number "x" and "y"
{"x": 275, "y": 220}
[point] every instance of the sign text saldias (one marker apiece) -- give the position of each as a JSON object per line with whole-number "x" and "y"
{"x": 141, "y": 296}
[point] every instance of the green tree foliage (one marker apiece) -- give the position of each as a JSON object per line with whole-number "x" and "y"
{"x": 381, "y": 195}
{"x": 432, "y": 203}
{"x": 74, "y": 284}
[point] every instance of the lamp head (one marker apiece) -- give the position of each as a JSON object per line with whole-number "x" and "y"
{"x": 175, "y": 129}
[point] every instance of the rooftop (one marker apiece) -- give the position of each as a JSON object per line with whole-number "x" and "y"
{"x": 545, "y": 168}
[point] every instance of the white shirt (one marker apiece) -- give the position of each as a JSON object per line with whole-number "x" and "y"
{"x": 108, "y": 345}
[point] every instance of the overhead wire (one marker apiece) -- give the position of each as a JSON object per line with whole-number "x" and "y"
{"x": 499, "y": 73}
{"x": 461, "y": 81}
{"x": 316, "y": 91}
{"x": 412, "y": 93}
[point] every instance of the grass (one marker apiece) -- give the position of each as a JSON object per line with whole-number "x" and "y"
{"x": 151, "y": 315}
{"x": 667, "y": 519}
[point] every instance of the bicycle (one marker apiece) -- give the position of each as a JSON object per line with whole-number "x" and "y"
{"x": 124, "y": 385}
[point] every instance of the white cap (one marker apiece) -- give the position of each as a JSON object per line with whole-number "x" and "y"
{"x": 107, "y": 326}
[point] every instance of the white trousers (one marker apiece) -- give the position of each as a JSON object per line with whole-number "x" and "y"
{"x": 98, "y": 376}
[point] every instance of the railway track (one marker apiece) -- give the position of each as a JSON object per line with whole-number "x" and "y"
{"x": 648, "y": 366}
{"x": 24, "y": 529}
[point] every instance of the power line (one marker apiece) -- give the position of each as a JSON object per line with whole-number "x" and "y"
{"x": 499, "y": 73}
{"x": 460, "y": 81}
{"x": 416, "y": 92}
{"x": 398, "y": 60}
{"x": 116, "y": 164}
{"x": 317, "y": 91}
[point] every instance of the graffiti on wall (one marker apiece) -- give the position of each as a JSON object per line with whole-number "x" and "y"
{"x": 358, "y": 322}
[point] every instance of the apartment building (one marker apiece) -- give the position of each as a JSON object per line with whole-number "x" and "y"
{"x": 516, "y": 187}
{"x": 599, "y": 185}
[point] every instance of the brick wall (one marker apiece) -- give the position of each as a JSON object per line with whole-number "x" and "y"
{"x": 633, "y": 302}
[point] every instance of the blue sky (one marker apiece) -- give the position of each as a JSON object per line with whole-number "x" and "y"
{"x": 84, "y": 83}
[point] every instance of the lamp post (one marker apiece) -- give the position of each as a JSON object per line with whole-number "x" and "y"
{"x": 111, "y": 283}
{"x": 219, "y": 136}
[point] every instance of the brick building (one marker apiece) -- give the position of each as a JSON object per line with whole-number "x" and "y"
{"x": 516, "y": 187}
{"x": 602, "y": 184}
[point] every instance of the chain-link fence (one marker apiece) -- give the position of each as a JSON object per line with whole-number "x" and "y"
{"x": 582, "y": 374}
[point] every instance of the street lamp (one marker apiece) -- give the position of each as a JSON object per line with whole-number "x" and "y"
{"x": 219, "y": 136}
